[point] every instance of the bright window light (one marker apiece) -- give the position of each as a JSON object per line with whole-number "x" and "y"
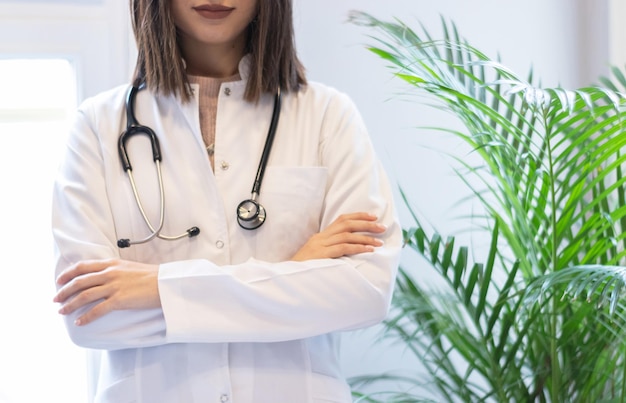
{"x": 38, "y": 363}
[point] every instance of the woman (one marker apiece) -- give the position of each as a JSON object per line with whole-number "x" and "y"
{"x": 228, "y": 314}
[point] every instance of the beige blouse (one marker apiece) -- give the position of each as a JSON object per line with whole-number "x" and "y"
{"x": 209, "y": 89}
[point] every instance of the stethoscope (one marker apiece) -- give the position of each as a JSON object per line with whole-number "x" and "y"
{"x": 250, "y": 213}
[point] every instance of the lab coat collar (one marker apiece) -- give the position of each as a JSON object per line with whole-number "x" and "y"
{"x": 244, "y": 66}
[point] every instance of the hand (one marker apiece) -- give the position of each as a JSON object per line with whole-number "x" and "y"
{"x": 342, "y": 238}
{"x": 114, "y": 284}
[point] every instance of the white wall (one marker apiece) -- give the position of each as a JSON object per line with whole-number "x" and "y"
{"x": 566, "y": 42}
{"x": 544, "y": 35}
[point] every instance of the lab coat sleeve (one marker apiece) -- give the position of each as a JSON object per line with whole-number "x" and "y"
{"x": 259, "y": 301}
{"x": 83, "y": 228}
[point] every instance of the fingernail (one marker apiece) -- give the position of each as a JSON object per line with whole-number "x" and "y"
{"x": 78, "y": 322}
{"x": 379, "y": 242}
{"x": 382, "y": 226}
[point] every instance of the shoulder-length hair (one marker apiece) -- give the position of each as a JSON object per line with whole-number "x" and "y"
{"x": 270, "y": 43}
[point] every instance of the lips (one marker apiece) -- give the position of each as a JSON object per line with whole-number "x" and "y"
{"x": 214, "y": 11}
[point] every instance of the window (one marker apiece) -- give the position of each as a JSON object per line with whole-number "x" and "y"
{"x": 38, "y": 96}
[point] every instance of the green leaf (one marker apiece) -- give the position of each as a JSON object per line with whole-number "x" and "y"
{"x": 535, "y": 310}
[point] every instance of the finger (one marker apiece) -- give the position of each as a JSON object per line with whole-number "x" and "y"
{"x": 349, "y": 238}
{"x": 355, "y": 226}
{"x": 350, "y": 226}
{"x": 360, "y": 215}
{"x": 81, "y": 268}
{"x": 83, "y": 298}
{"x": 346, "y": 249}
{"x": 347, "y": 219}
{"x": 365, "y": 226}
{"x": 77, "y": 285}
{"x": 98, "y": 311}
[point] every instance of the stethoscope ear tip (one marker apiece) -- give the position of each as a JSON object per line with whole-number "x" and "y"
{"x": 123, "y": 243}
{"x": 193, "y": 231}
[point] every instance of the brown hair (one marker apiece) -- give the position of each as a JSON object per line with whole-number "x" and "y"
{"x": 270, "y": 44}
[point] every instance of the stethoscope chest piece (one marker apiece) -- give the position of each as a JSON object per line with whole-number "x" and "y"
{"x": 250, "y": 214}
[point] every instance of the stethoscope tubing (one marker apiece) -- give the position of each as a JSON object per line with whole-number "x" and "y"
{"x": 269, "y": 141}
{"x": 133, "y": 128}
{"x": 248, "y": 218}
{"x": 250, "y": 213}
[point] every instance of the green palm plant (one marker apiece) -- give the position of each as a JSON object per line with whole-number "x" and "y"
{"x": 540, "y": 317}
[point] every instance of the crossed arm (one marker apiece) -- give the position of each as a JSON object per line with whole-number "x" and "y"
{"x": 122, "y": 284}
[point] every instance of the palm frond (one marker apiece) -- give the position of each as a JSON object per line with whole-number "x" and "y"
{"x": 539, "y": 314}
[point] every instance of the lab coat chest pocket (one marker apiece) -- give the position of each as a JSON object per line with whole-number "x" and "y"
{"x": 293, "y": 198}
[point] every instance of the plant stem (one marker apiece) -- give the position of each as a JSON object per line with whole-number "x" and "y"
{"x": 623, "y": 394}
{"x": 554, "y": 358}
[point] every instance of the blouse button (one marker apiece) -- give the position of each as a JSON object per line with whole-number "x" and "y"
{"x": 227, "y": 91}
{"x": 219, "y": 244}
{"x": 225, "y": 165}
{"x": 224, "y": 398}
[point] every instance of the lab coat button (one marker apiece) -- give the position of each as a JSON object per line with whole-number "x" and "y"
{"x": 225, "y": 166}
{"x": 224, "y": 398}
{"x": 227, "y": 91}
{"x": 219, "y": 244}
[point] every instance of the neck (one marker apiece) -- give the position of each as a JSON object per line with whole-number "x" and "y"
{"x": 218, "y": 61}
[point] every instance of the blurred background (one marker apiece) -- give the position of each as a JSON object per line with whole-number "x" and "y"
{"x": 55, "y": 53}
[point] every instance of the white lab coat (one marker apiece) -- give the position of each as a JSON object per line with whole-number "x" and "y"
{"x": 239, "y": 322}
